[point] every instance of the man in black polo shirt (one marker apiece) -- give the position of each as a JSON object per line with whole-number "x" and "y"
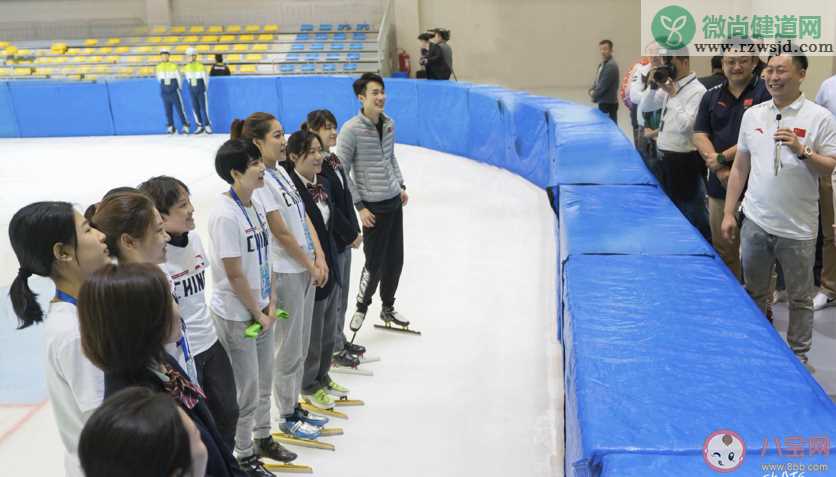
{"x": 715, "y": 135}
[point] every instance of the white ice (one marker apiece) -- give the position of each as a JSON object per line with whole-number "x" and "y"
{"x": 479, "y": 394}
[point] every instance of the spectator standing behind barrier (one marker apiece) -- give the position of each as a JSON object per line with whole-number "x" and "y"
{"x": 634, "y": 93}
{"x": 717, "y": 76}
{"x": 784, "y": 146}
{"x": 604, "y": 90}
{"x": 198, "y": 82}
{"x": 826, "y": 97}
{"x": 219, "y": 68}
{"x": 440, "y": 37}
{"x": 433, "y": 62}
{"x": 169, "y": 79}
{"x": 715, "y": 134}
{"x": 649, "y": 114}
{"x": 682, "y": 167}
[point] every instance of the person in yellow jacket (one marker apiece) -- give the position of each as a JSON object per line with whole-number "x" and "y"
{"x": 198, "y": 82}
{"x": 169, "y": 79}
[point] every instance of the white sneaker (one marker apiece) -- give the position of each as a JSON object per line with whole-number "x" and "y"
{"x": 780, "y": 296}
{"x": 208, "y": 129}
{"x": 821, "y": 301}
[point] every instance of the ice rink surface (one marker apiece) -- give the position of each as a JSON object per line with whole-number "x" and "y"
{"x": 480, "y": 393}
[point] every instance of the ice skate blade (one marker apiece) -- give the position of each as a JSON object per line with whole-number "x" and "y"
{"x": 323, "y": 412}
{"x": 343, "y": 402}
{"x": 347, "y": 370}
{"x": 274, "y": 466}
{"x": 331, "y": 431}
{"x": 368, "y": 359}
{"x": 297, "y": 441}
{"x": 397, "y": 329}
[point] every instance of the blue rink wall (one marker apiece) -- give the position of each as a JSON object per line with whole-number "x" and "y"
{"x": 662, "y": 347}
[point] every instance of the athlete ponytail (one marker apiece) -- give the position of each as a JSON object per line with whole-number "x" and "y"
{"x": 236, "y": 129}
{"x": 33, "y": 232}
{"x": 256, "y": 126}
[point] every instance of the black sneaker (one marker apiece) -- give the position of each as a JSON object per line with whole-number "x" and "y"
{"x": 345, "y": 359}
{"x": 254, "y": 467}
{"x": 271, "y": 449}
{"x": 355, "y": 349}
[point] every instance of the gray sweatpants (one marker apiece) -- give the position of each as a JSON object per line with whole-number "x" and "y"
{"x": 295, "y": 295}
{"x": 344, "y": 264}
{"x": 759, "y": 251}
{"x": 252, "y": 366}
{"x": 323, "y": 324}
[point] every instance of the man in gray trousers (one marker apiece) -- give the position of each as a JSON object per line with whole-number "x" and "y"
{"x": 366, "y": 147}
{"x": 604, "y": 90}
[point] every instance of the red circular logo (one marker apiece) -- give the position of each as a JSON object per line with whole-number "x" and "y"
{"x": 724, "y": 451}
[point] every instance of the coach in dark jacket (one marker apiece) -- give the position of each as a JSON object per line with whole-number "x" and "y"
{"x": 604, "y": 90}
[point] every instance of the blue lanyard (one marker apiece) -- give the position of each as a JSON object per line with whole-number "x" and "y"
{"x": 298, "y": 209}
{"x": 183, "y": 343}
{"x": 258, "y": 235}
{"x": 65, "y": 297}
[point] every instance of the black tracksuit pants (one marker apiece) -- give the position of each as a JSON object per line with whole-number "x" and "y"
{"x": 383, "y": 247}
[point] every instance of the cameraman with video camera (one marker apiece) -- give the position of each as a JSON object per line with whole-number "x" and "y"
{"x": 682, "y": 168}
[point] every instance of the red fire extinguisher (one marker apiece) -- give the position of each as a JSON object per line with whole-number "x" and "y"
{"x": 403, "y": 61}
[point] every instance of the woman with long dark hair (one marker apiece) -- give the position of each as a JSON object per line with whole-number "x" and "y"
{"x": 52, "y": 239}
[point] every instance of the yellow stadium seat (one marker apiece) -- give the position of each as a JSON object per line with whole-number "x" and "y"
{"x": 172, "y": 39}
{"x": 176, "y": 58}
{"x": 154, "y": 39}
{"x": 112, "y": 59}
{"x": 59, "y": 60}
{"x": 210, "y": 39}
{"x": 240, "y": 47}
{"x": 94, "y": 59}
{"x": 206, "y": 58}
{"x": 57, "y": 48}
{"x": 23, "y": 71}
{"x": 143, "y": 49}
{"x": 247, "y": 69}
{"x": 24, "y": 52}
{"x": 233, "y": 68}
{"x": 215, "y": 29}
{"x": 254, "y": 57}
{"x": 233, "y": 57}
{"x": 147, "y": 71}
{"x": 181, "y": 48}
{"x": 4, "y": 44}
{"x": 74, "y": 77}
{"x": 191, "y": 39}
{"x": 101, "y": 69}
{"x": 260, "y": 47}
{"x": 246, "y": 38}
{"x": 158, "y": 30}
{"x": 132, "y": 59}
{"x": 91, "y": 42}
{"x": 227, "y": 38}
{"x": 104, "y": 51}
{"x": 221, "y": 48}
{"x": 85, "y": 69}
{"x": 5, "y": 71}
{"x": 10, "y": 50}
{"x": 196, "y": 29}
{"x": 271, "y": 28}
{"x": 41, "y": 59}
{"x": 114, "y": 41}
{"x": 202, "y": 48}
{"x": 72, "y": 51}
{"x": 125, "y": 71}
{"x": 122, "y": 50}
{"x": 153, "y": 59}
{"x": 252, "y": 28}
{"x": 178, "y": 29}
{"x": 265, "y": 37}
{"x": 232, "y": 28}
{"x": 43, "y": 71}
{"x": 90, "y": 77}
{"x": 87, "y": 51}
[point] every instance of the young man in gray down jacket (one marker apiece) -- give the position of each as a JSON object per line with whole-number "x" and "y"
{"x": 366, "y": 147}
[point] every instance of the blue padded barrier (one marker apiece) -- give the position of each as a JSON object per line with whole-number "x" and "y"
{"x": 138, "y": 108}
{"x": 301, "y": 95}
{"x": 402, "y": 106}
{"x": 662, "y": 351}
{"x": 49, "y": 108}
{"x": 527, "y": 148}
{"x": 487, "y": 128}
{"x": 590, "y": 149}
{"x": 443, "y": 116}
{"x": 638, "y": 465}
{"x": 233, "y": 97}
{"x": 8, "y": 120}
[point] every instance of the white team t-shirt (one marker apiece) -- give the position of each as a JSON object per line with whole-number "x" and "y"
{"x": 75, "y": 385}
{"x": 787, "y": 204}
{"x": 186, "y": 267}
{"x": 280, "y": 194}
{"x": 233, "y": 236}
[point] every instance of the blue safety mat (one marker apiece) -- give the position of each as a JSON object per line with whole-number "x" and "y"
{"x": 486, "y": 141}
{"x": 662, "y": 351}
{"x": 51, "y": 108}
{"x": 301, "y": 95}
{"x": 402, "y": 106}
{"x": 753, "y": 464}
{"x": 590, "y": 149}
{"x": 233, "y": 97}
{"x": 626, "y": 220}
{"x": 443, "y": 116}
{"x": 8, "y": 121}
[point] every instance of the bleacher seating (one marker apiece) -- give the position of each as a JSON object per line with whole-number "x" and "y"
{"x": 248, "y": 49}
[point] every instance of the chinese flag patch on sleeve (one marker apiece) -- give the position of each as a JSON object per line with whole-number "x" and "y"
{"x": 800, "y": 132}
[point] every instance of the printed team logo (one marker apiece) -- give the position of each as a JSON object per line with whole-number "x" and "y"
{"x": 759, "y": 130}
{"x": 800, "y": 132}
{"x": 724, "y": 451}
{"x": 673, "y": 27}
{"x": 723, "y": 104}
{"x": 747, "y": 102}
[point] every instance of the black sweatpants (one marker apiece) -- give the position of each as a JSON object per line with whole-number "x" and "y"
{"x": 214, "y": 372}
{"x": 383, "y": 247}
{"x": 611, "y": 109}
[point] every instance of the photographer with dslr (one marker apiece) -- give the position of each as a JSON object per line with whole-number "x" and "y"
{"x": 682, "y": 168}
